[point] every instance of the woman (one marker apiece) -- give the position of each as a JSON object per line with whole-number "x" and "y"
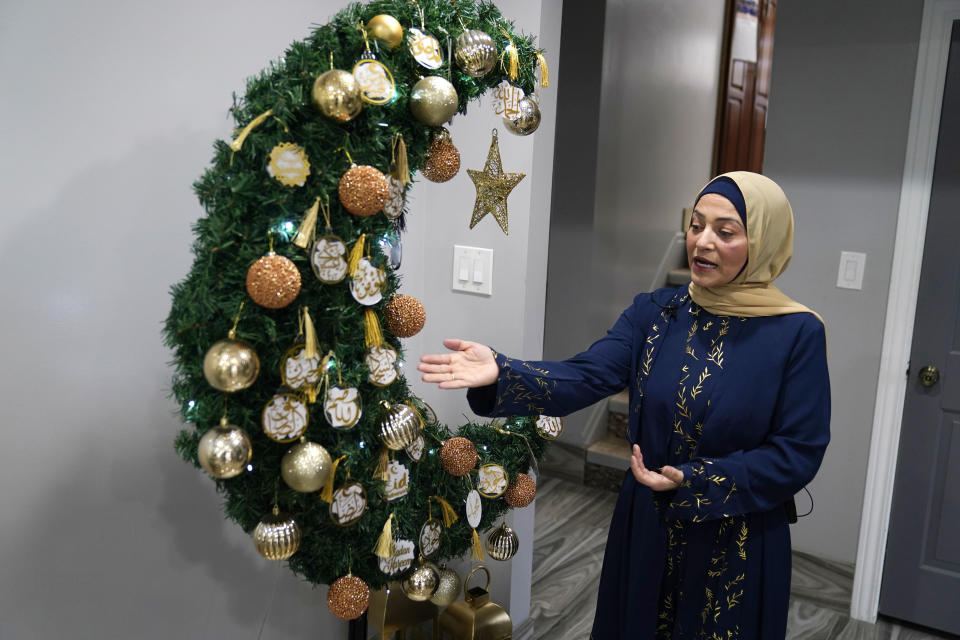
{"x": 729, "y": 417}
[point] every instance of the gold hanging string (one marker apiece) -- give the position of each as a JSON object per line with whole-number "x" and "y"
{"x": 533, "y": 458}
{"x": 398, "y": 157}
{"x": 237, "y": 142}
{"x": 331, "y": 61}
{"x": 449, "y": 515}
{"x": 355, "y": 254}
{"x": 512, "y": 64}
{"x": 371, "y": 329}
{"x": 232, "y": 334}
{"x": 344, "y": 149}
{"x": 420, "y": 10}
{"x": 270, "y": 239}
{"x": 385, "y": 547}
{"x": 308, "y": 227}
{"x": 544, "y": 71}
{"x": 325, "y": 210}
{"x": 310, "y": 335}
{"x": 327, "y": 494}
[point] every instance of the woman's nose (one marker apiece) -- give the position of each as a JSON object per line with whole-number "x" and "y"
{"x": 706, "y": 238}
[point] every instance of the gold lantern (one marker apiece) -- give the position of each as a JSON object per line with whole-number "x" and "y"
{"x": 392, "y": 611}
{"x": 475, "y": 617}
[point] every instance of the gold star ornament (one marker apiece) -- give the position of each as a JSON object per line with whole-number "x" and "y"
{"x": 493, "y": 187}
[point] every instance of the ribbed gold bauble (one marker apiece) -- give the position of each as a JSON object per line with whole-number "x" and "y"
{"x": 405, "y": 316}
{"x": 277, "y": 536}
{"x": 348, "y": 597}
{"x": 387, "y": 29}
{"x": 363, "y": 190}
{"x": 458, "y": 456}
{"x": 448, "y": 587}
{"x": 306, "y": 466}
{"x": 337, "y": 95}
{"x": 421, "y": 583}
{"x": 502, "y": 543}
{"x": 528, "y": 117}
{"x": 521, "y": 491}
{"x": 400, "y": 426}
{"x": 224, "y": 451}
{"x": 443, "y": 159}
{"x": 433, "y": 100}
{"x": 231, "y": 365}
{"x": 273, "y": 281}
{"x": 475, "y": 53}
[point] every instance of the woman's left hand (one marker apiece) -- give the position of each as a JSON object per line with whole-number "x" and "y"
{"x": 668, "y": 478}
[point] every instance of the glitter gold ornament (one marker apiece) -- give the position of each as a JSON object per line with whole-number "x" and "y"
{"x": 337, "y": 94}
{"x": 421, "y": 583}
{"x": 493, "y": 187}
{"x": 231, "y": 365}
{"x": 448, "y": 587}
{"x": 277, "y": 536}
{"x": 443, "y": 158}
{"x": 306, "y": 466}
{"x": 386, "y": 29}
{"x": 475, "y": 53}
{"x": 502, "y": 543}
{"x": 521, "y": 491}
{"x": 400, "y": 426}
{"x": 527, "y": 118}
{"x": 348, "y": 597}
{"x": 405, "y": 316}
{"x": 433, "y": 100}
{"x": 363, "y": 190}
{"x": 458, "y": 456}
{"x": 224, "y": 451}
{"x": 273, "y": 281}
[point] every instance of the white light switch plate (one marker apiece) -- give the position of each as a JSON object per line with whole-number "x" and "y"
{"x": 473, "y": 270}
{"x": 850, "y": 275}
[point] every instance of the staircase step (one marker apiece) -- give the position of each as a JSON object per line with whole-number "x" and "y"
{"x": 606, "y": 461}
{"x": 677, "y": 277}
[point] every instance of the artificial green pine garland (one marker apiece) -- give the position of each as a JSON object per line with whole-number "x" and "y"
{"x": 243, "y": 205}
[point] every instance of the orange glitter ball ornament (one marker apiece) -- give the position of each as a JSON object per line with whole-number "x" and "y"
{"x": 443, "y": 159}
{"x": 521, "y": 491}
{"x": 458, "y": 456}
{"x": 363, "y": 190}
{"x": 273, "y": 281}
{"x": 348, "y": 597}
{"x": 405, "y": 316}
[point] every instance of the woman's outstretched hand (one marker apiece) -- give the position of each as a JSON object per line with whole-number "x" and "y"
{"x": 470, "y": 365}
{"x": 668, "y": 478}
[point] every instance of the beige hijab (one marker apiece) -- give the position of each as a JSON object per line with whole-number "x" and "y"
{"x": 770, "y": 238}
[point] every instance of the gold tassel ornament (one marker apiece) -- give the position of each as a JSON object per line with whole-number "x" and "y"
{"x": 385, "y": 547}
{"x": 327, "y": 494}
{"x": 544, "y": 71}
{"x": 449, "y": 515}
{"x": 308, "y": 228}
{"x": 477, "y": 553}
{"x": 399, "y": 157}
{"x": 310, "y": 335}
{"x": 237, "y": 142}
{"x": 513, "y": 58}
{"x": 383, "y": 465}
{"x": 371, "y": 329}
{"x": 355, "y": 255}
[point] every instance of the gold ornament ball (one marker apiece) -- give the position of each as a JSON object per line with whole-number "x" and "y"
{"x": 433, "y": 100}
{"x": 273, "y": 281}
{"x": 527, "y": 120}
{"x": 443, "y": 159}
{"x": 348, "y": 597}
{"x": 277, "y": 536}
{"x": 306, "y": 467}
{"x": 231, "y": 365}
{"x": 422, "y": 582}
{"x": 337, "y": 95}
{"x": 521, "y": 492}
{"x": 458, "y": 456}
{"x": 400, "y": 427}
{"x": 224, "y": 451}
{"x": 475, "y": 53}
{"x": 448, "y": 587}
{"x": 363, "y": 190}
{"x": 502, "y": 543}
{"x": 387, "y": 29}
{"x": 405, "y": 316}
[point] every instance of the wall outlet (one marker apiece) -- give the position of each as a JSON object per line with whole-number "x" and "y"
{"x": 850, "y": 275}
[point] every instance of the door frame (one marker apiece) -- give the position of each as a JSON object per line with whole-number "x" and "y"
{"x": 938, "y": 17}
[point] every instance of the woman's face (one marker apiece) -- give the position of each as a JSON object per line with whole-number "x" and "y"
{"x": 716, "y": 242}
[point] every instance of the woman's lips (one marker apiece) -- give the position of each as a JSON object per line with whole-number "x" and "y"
{"x": 704, "y": 265}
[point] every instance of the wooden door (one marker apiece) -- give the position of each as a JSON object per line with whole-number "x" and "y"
{"x": 921, "y": 575}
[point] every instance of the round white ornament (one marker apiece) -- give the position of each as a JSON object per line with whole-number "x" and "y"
{"x": 415, "y": 450}
{"x": 549, "y": 427}
{"x": 506, "y": 100}
{"x": 493, "y": 480}
{"x": 366, "y": 283}
{"x": 396, "y": 199}
{"x": 474, "y": 509}
{"x": 349, "y": 503}
{"x": 424, "y": 48}
{"x": 397, "y": 484}
{"x": 382, "y": 363}
{"x": 430, "y": 534}
{"x": 284, "y": 418}
{"x": 341, "y": 406}
{"x": 375, "y": 81}
{"x": 327, "y": 259}
{"x": 297, "y": 370}
{"x": 289, "y": 165}
{"x": 401, "y": 559}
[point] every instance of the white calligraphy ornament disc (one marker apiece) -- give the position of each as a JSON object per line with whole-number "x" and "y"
{"x": 341, "y": 406}
{"x": 366, "y": 283}
{"x": 349, "y": 503}
{"x": 549, "y": 427}
{"x": 396, "y": 198}
{"x": 289, "y": 165}
{"x": 375, "y": 81}
{"x": 474, "y": 509}
{"x": 493, "y": 480}
{"x": 382, "y": 363}
{"x": 327, "y": 259}
{"x": 415, "y": 450}
{"x": 400, "y": 560}
{"x": 424, "y": 48}
{"x": 506, "y": 100}
{"x": 297, "y": 370}
{"x": 430, "y": 537}
{"x": 284, "y": 418}
{"x": 398, "y": 482}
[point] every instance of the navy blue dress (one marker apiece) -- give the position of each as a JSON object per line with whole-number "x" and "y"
{"x": 742, "y": 407}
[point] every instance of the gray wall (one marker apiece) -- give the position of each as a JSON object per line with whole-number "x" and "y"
{"x": 107, "y": 115}
{"x": 620, "y": 185}
{"x": 836, "y": 140}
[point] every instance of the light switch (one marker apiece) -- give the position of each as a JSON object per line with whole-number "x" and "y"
{"x": 473, "y": 270}
{"x": 850, "y": 275}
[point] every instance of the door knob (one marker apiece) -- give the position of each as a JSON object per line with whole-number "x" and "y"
{"x": 929, "y": 376}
